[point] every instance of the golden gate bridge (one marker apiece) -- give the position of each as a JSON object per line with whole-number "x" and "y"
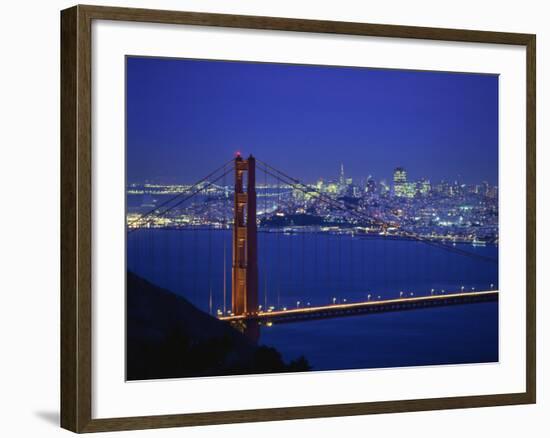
{"x": 245, "y": 288}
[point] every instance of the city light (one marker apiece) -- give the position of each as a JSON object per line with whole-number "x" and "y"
{"x": 445, "y": 211}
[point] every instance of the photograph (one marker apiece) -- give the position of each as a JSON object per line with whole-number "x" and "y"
{"x": 276, "y": 220}
{"x": 308, "y": 218}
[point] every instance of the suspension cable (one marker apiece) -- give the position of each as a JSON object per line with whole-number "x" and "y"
{"x": 155, "y": 212}
{"x": 200, "y": 189}
{"x": 298, "y": 185}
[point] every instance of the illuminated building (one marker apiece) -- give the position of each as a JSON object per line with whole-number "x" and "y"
{"x": 399, "y": 181}
{"x": 492, "y": 192}
{"x": 371, "y": 185}
{"x": 342, "y": 180}
{"x": 298, "y": 194}
{"x": 332, "y": 188}
{"x": 409, "y": 189}
{"x": 424, "y": 187}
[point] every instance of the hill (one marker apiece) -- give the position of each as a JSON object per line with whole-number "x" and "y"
{"x": 168, "y": 337}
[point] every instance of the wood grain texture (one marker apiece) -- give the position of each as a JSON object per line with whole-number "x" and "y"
{"x": 531, "y": 214}
{"x": 69, "y": 328}
{"x": 76, "y": 253}
{"x": 300, "y": 25}
{"x": 76, "y": 219}
{"x": 338, "y": 410}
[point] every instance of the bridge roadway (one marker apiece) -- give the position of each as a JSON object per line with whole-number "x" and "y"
{"x": 348, "y": 309}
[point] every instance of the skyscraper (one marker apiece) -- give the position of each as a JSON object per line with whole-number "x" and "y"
{"x": 371, "y": 185}
{"x": 424, "y": 187}
{"x": 344, "y": 184}
{"x": 399, "y": 175}
{"x": 399, "y": 181}
{"x": 342, "y": 180}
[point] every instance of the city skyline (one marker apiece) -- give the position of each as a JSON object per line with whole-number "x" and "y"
{"x": 335, "y": 176}
{"x": 438, "y": 125}
{"x": 219, "y": 256}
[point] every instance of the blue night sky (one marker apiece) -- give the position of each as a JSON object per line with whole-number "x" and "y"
{"x": 187, "y": 117}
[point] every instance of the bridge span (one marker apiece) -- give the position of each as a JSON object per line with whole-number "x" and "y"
{"x": 358, "y": 308}
{"x": 244, "y": 287}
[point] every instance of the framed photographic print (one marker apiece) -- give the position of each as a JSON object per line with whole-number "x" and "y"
{"x": 270, "y": 218}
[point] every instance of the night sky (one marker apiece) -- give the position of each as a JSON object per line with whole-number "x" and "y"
{"x": 187, "y": 117}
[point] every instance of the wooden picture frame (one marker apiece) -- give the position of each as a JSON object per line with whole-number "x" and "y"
{"x": 76, "y": 217}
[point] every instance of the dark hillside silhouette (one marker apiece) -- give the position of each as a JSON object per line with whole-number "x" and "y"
{"x": 168, "y": 337}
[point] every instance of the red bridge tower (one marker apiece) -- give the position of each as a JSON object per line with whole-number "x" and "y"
{"x": 244, "y": 291}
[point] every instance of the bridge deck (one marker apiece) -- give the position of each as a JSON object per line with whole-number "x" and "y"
{"x": 391, "y": 305}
